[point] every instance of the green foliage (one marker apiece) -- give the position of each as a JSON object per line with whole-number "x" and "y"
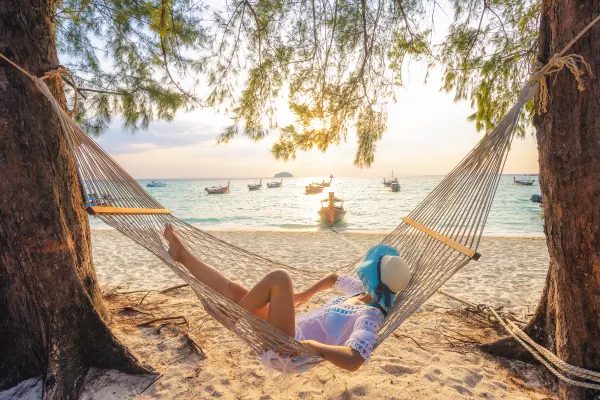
{"x": 128, "y": 57}
{"x": 340, "y": 62}
{"x": 337, "y": 61}
{"x": 487, "y": 54}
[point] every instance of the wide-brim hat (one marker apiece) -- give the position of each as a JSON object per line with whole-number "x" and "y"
{"x": 384, "y": 274}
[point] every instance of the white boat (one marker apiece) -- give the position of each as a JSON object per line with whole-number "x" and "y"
{"x": 156, "y": 184}
{"x": 273, "y": 185}
{"x": 523, "y": 182}
{"x": 390, "y": 182}
{"x": 255, "y": 186}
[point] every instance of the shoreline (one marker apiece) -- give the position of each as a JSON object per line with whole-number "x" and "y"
{"x": 499, "y": 235}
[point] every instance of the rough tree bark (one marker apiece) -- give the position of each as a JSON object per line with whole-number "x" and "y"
{"x": 567, "y": 318}
{"x": 52, "y": 315}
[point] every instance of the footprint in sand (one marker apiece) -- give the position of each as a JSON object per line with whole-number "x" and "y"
{"x": 399, "y": 370}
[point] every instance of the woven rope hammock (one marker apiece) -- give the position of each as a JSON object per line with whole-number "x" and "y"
{"x": 437, "y": 239}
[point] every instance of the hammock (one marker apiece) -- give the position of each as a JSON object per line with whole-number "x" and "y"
{"x": 437, "y": 239}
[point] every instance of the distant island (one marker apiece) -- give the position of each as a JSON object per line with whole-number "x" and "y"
{"x": 283, "y": 175}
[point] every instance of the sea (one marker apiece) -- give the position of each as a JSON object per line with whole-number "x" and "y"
{"x": 371, "y": 207}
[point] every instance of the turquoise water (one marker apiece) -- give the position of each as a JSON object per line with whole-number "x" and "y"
{"x": 370, "y": 206}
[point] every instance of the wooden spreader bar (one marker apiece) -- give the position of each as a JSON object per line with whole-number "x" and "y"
{"x": 92, "y": 210}
{"x": 444, "y": 239}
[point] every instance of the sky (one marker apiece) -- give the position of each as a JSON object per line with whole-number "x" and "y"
{"x": 427, "y": 134}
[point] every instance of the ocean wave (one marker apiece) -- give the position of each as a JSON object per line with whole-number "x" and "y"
{"x": 203, "y": 220}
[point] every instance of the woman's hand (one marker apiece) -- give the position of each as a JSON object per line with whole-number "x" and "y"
{"x": 323, "y": 284}
{"x": 301, "y": 298}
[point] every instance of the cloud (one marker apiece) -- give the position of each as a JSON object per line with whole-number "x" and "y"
{"x": 143, "y": 146}
{"x": 187, "y": 130}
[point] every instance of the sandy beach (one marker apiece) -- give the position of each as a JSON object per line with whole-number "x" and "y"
{"x": 511, "y": 271}
{"x": 433, "y": 355}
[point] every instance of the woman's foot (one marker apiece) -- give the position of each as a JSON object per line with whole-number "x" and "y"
{"x": 177, "y": 250}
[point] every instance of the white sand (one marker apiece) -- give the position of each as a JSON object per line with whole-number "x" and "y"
{"x": 511, "y": 271}
{"x": 447, "y": 365}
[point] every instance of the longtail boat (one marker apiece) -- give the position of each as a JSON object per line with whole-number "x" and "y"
{"x": 255, "y": 186}
{"x": 332, "y": 209}
{"x": 313, "y": 188}
{"x": 273, "y": 185}
{"x": 218, "y": 189}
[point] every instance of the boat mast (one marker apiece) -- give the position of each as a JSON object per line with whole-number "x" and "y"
{"x": 331, "y": 207}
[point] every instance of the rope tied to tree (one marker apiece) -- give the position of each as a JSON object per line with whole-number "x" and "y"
{"x": 58, "y": 73}
{"x": 557, "y": 63}
{"x": 575, "y": 63}
{"x": 550, "y": 360}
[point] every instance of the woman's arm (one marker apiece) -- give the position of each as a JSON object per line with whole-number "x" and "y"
{"x": 323, "y": 284}
{"x": 341, "y": 356}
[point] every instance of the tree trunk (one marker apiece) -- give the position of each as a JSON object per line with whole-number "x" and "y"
{"x": 567, "y": 318}
{"x": 52, "y": 315}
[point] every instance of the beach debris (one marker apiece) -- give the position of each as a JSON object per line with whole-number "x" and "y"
{"x": 148, "y": 308}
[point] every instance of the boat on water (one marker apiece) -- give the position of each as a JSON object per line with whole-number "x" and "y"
{"x": 389, "y": 182}
{"x": 332, "y": 209}
{"x": 255, "y": 186}
{"x": 395, "y": 187}
{"x": 536, "y": 198}
{"x": 218, "y": 189}
{"x": 156, "y": 184}
{"x": 523, "y": 182}
{"x": 313, "y": 188}
{"x": 272, "y": 185}
{"x": 323, "y": 183}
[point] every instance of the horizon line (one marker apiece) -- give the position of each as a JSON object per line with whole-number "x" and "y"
{"x": 318, "y": 176}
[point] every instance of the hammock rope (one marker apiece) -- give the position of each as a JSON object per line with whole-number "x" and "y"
{"x": 578, "y": 376}
{"x": 436, "y": 239}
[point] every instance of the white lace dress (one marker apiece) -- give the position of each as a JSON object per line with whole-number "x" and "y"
{"x": 336, "y": 324}
{"x": 341, "y": 324}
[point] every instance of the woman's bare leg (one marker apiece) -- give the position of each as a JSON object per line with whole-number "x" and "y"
{"x": 276, "y": 291}
{"x": 205, "y": 273}
{"x": 271, "y": 299}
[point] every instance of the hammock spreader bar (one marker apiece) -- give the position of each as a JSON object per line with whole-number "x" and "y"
{"x": 446, "y": 240}
{"x": 94, "y": 210}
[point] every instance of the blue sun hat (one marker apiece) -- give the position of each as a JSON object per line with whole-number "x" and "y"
{"x": 384, "y": 274}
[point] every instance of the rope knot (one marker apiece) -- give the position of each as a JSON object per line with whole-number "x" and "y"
{"x": 58, "y": 73}
{"x": 575, "y": 63}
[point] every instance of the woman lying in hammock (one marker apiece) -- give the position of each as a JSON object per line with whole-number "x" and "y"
{"x": 344, "y": 330}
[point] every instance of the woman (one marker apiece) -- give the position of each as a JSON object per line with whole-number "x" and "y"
{"x": 344, "y": 330}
